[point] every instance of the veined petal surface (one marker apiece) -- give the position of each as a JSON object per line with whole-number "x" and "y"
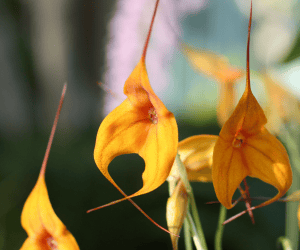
{"x": 142, "y": 125}
{"x": 45, "y": 230}
{"x": 196, "y": 153}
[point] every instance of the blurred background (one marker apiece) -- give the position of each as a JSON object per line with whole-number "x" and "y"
{"x": 44, "y": 44}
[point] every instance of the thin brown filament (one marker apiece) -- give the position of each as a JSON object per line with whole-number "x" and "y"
{"x": 246, "y": 195}
{"x": 45, "y": 160}
{"x": 250, "y": 198}
{"x": 234, "y": 217}
{"x": 245, "y": 211}
{"x": 109, "y": 91}
{"x": 137, "y": 206}
{"x": 149, "y": 33}
{"x": 248, "y": 50}
{"x": 134, "y": 204}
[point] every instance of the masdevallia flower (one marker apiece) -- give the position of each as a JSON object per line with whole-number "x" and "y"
{"x": 218, "y": 67}
{"x": 45, "y": 230}
{"x": 141, "y": 124}
{"x": 246, "y": 148}
{"x": 196, "y": 154}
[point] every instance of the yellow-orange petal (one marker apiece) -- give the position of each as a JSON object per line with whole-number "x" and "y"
{"x": 228, "y": 171}
{"x": 298, "y": 216}
{"x": 34, "y": 244}
{"x": 274, "y": 111}
{"x": 196, "y": 154}
{"x": 283, "y": 107}
{"x": 227, "y": 98}
{"x": 295, "y": 196}
{"x": 42, "y": 225}
{"x": 139, "y": 91}
{"x": 148, "y": 131}
{"x": 211, "y": 64}
{"x": 64, "y": 243}
{"x": 177, "y": 206}
{"x": 248, "y": 117}
{"x": 268, "y": 160}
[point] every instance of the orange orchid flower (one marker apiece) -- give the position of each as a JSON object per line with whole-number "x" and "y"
{"x": 196, "y": 153}
{"x": 45, "y": 230}
{"x": 141, "y": 124}
{"x": 212, "y": 65}
{"x": 218, "y": 67}
{"x": 246, "y": 148}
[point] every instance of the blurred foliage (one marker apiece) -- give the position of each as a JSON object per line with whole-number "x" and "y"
{"x": 76, "y": 185}
{"x": 295, "y": 51}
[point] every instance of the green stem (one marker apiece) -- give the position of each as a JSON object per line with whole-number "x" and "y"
{"x": 197, "y": 220}
{"x": 220, "y": 228}
{"x": 184, "y": 178}
{"x": 187, "y": 235}
{"x": 291, "y": 225}
{"x": 292, "y": 146}
{"x": 194, "y": 232}
{"x": 183, "y": 174}
{"x": 284, "y": 242}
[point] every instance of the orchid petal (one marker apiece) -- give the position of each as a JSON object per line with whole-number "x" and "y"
{"x": 228, "y": 171}
{"x": 42, "y": 224}
{"x": 273, "y": 167}
{"x": 196, "y": 154}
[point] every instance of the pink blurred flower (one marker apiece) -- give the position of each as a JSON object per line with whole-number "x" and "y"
{"x": 128, "y": 29}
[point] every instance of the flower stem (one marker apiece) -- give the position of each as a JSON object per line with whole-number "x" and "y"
{"x": 220, "y": 229}
{"x": 284, "y": 242}
{"x": 194, "y": 232}
{"x": 196, "y": 218}
{"x": 187, "y": 235}
{"x": 291, "y": 225}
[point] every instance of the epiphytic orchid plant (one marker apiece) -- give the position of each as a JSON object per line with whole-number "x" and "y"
{"x": 143, "y": 125}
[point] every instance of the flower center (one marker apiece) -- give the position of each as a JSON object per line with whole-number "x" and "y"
{"x": 52, "y": 243}
{"x": 238, "y": 140}
{"x": 153, "y": 116}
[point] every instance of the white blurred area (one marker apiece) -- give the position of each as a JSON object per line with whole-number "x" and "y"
{"x": 276, "y": 26}
{"x": 274, "y": 35}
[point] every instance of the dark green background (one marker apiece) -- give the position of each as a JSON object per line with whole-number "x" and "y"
{"x": 74, "y": 182}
